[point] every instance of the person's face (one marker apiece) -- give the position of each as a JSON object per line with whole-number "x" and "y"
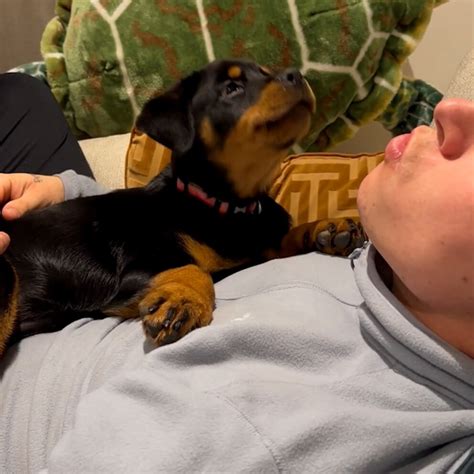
{"x": 417, "y": 207}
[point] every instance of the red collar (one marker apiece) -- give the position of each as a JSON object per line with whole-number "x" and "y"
{"x": 222, "y": 207}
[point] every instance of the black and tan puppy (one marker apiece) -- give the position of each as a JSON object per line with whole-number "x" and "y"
{"x": 152, "y": 252}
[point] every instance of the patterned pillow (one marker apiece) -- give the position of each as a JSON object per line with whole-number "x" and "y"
{"x": 319, "y": 186}
{"x": 311, "y": 186}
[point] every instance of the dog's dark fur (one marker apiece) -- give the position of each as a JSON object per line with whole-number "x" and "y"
{"x": 151, "y": 251}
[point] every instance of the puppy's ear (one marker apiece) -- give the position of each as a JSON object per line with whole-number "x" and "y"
{"x": 167, "y": 118}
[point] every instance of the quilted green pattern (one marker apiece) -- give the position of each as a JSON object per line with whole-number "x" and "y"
{"x": 105, "y": 58}
{"x": 412, "y": 106}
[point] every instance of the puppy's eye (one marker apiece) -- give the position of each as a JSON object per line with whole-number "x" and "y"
{"x": 232, "y": 89}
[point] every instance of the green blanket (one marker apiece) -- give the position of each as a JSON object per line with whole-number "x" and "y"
{"x": 105, "y": 58}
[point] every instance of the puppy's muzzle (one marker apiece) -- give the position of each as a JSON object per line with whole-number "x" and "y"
{"x": 293, "y": 80}
{"x": 290, "y": 78}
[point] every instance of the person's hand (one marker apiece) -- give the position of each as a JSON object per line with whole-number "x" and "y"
{"x": 22, "y": 192}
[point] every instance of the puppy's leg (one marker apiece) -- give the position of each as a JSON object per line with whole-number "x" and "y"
{"x": 8, "y": 302}
{"x": 333, "y": 237}
{"x": 176, "y": 302}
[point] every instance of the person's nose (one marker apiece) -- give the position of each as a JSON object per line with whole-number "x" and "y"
{"x": 454, "y": 120}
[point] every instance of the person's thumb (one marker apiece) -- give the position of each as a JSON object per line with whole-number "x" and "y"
{"x": 16, "y": 208}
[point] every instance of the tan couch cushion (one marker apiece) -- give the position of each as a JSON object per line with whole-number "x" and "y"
{"x": 106, "y": 157}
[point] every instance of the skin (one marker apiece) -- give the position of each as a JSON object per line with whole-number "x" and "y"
{"x": 21, "y": 192}
{"x": 418, "y": 209}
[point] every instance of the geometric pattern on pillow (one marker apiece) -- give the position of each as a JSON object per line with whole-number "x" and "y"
{"x": 145, "y": 159}
{"x": 317, "y": 186}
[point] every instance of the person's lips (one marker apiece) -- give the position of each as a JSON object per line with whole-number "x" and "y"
{"x": 396, "y": 147}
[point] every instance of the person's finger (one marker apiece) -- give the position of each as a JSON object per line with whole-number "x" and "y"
{"x": 5, "y": 188}
{"x": 16, "y": 208}
{"x": 10, "y": 212}
{"x": 4, "y": 242}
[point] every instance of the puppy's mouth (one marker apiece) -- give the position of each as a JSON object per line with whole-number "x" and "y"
{"x": 296, "y": 109}
{"x": 302, "y": 107}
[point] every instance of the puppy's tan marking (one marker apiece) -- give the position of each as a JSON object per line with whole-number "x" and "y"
{"x": 207, "y": 258}
{"x": 125, "y": 311}
{"x": 208, "y": 134}
{"x": 299, "y": 240}
{"x": 9, "y": 316}
{"x": 234, "y": 72}
{"x": 176, "y": 302}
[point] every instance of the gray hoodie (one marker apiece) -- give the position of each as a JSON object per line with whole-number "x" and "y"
{"x": 310, "y": 365}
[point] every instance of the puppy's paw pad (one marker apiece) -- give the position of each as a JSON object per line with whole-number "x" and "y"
{"x": 338, "y": 238}
{"x": 168, "y": 316}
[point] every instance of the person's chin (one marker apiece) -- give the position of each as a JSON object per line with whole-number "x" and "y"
{"x": 363, "y": 195}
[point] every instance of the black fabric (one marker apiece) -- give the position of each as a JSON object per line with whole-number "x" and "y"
{"x": 34, "y": 136}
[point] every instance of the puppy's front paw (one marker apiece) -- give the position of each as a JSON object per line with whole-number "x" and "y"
{"x": 177, "y": 302}
{"x": 339, "y": 237}
{"x": 333, "y": 237}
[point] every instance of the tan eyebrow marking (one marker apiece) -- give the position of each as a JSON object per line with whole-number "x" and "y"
{"x": 265, "y": 70}
{"x": 234, "y": 72}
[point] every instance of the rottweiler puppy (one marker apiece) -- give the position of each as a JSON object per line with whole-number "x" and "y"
{"x": 152, "y": 252}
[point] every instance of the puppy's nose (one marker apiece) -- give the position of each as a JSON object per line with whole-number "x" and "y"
{"x": 290, "y": 77}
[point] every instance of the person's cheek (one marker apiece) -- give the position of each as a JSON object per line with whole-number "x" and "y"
{"x": 363, "y": 198}
{"x": 368, "y": 187}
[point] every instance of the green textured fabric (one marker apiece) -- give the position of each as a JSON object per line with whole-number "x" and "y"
{"x": 412, "y": 106}
{"x": 105, "y": 58}
{"x": 36, "y": 69}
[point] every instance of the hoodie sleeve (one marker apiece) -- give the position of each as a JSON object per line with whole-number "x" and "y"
{"x": 76, "y": 185}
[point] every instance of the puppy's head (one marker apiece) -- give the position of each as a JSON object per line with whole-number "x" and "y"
{"x": 245, "y": 118}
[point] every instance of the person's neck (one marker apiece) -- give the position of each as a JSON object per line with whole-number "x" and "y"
{"x": 457, "y": 329}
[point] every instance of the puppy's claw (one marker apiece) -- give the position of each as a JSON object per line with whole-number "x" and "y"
{"x": 144, "y": 310}
{"x": 152, "y": 329}
{"x": 170, "y": 314}
{"x": 178, "y": 324}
